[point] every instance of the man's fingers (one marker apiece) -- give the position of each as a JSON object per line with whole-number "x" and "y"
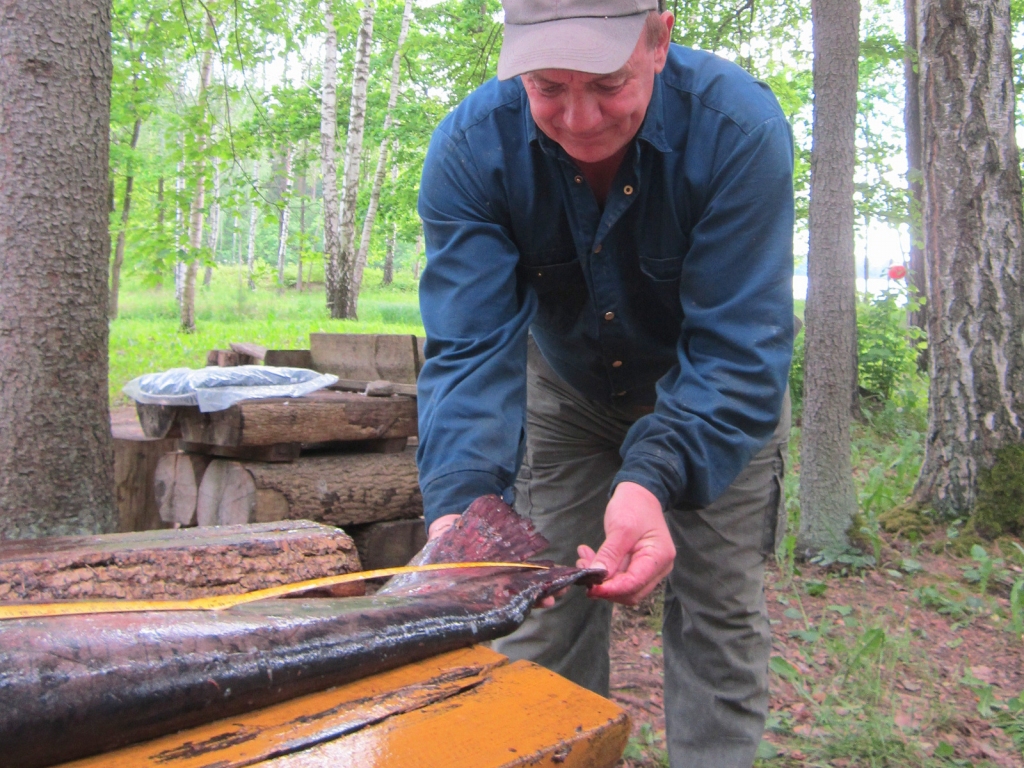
{"x": 644, "y": 573}
{"x": 613, "y": 556}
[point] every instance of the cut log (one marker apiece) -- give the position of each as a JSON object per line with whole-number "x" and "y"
{"x": 420, "y": 354}
{"x": 255, "y": 353}
{"x": 158, "y": 421}
{"x": 176, "y": 486}
{"x": 339, "y": 489}
{"x": 365, "y": 357}
{"x": 223, "y": 358}
{"x": 316, "y": 418}
{"x": 135, "y": 460}
{"x": 184, "y": 563}
{"x": 289, "y": 358}
{"x": 389, "y": 544}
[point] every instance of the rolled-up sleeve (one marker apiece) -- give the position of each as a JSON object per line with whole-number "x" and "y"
{"x": 472, "y": 388}
{"x": 721, "y": 402}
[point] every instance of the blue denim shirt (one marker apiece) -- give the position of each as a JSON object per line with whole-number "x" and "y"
{"x": 685, "y": 278}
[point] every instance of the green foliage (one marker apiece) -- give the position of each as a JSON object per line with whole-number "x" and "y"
{"x": 999, "y": 509}
{"x": 646, "y": 747}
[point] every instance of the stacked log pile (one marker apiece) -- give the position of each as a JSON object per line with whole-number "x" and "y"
{"x": 339, "y": 456}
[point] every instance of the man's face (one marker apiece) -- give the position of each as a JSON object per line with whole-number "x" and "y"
{"x": 594, "y": 116}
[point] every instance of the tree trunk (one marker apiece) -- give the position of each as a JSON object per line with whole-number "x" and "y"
{"x": 342, "y": 303}
{"x": 302, "y": 231}
{"x": 250, "y": 258}
{"x": 195, "y": 233}
{"x": 160, "y": 215}
{"x": 389, "y": 258}
{"x": 56, "y": 450}
{"x": 115, "y": 269}
{"x": 382, "y": 157}
{"x": 328, "y": 161}
{"x": 285, "y": 217}
{"x": 828, "y": 501}
{"x": 179, "y": 256}
{"x": 912, "y": 125}
{"x": 213, "y": 234}
{"x": 974, "y": 247}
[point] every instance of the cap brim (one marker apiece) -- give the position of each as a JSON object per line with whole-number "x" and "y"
{"x": 598, "y": 45}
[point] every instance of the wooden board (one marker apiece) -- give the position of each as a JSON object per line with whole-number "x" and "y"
{"x": 289, "y": 358}
{"x": 184, "y": 563}
{"x": 135, "y": 461}
{"x": 335, "y": 488}
{"x": 320, "y": 417}
{"x": 465, "y": 709}
{"x": 365, "y": 357}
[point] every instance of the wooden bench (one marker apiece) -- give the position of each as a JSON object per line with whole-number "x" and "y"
{"x": 465, "y": 709}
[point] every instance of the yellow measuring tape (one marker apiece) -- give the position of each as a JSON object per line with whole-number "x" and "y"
{"x": 220, "y": 602}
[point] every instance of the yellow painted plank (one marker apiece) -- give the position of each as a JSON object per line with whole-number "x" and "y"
{"x": 522, "y": 715}
{"x": 308, "y": 720}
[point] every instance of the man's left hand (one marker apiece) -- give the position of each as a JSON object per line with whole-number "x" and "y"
{"x": 637, "y": 552}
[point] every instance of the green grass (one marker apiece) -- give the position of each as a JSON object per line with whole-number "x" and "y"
{"x": 146, "y": 336}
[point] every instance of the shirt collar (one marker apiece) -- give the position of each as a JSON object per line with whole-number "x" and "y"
{"x": 652, "y": 130}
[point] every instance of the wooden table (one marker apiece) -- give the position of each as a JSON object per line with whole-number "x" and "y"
{"x": 465, "y": 709}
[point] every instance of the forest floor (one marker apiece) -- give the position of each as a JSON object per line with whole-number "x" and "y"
{"x": 906, "y": 665}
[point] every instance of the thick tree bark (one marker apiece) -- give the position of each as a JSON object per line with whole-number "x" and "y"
{"x": 285, "y": 217}
{"x": 828, "y": 501}
{"x": 250, "y": 258}
{"x": 382, "y": 157}
{"x": 328, "y": 158}
{"x": 341, "y": 302}
{"x": 115, "y": 268}
{"x": 195, "y": 230}
{"x": 974, "y": 246}
{"x": 912, "y": 124}
{"x": 56, "y": 451}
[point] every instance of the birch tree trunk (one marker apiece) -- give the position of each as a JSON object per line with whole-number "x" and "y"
{"x": 389, "y": 257}
{"x": 195, "y": 231}
{"x": 328, "y": 161}
{"x": 56, "y": 452}
{"x": 974, "y": 247}
{"x": 213, "y": 221}
{"x": 285, "y": 217}
{"x": 341, "y": 303}
{"x": 303, "y": 191}
{"x": 250, "y": 258}
{"x": 382, "y": 157}
{"x": 828, "y": 501}
{"x": 179, "y": 226}
{"x": 115, "y": 268}
{"x": 912, "y": 125}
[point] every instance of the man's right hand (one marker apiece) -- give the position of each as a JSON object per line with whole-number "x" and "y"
{"x": 441, "y": 525}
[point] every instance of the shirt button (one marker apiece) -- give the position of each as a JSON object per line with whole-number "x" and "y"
{"x": 609, "y": 316}
{"x": 597, "y": 248}
{"x": 578, "y": 179}
{"x": 627, "y": 189}
{"x": 617, "y": 364}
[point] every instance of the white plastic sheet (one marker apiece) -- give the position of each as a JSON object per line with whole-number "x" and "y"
{"x": 215, "y": 389}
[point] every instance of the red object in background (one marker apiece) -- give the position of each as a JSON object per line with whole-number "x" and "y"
{"x": 897, "y": 272}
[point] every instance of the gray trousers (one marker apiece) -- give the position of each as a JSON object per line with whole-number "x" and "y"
{"x": 716, "y": 634}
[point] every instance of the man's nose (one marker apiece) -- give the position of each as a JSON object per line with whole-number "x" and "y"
{"x": 582, "y": 114}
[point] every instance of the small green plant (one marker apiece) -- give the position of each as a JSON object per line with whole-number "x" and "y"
{"x": 1017, "y": 608}
{"x": 931, "y": 597}
{"x": 981, "y": 573}
{"x": 815, "y": 588}
{"x": 645, "y": 747}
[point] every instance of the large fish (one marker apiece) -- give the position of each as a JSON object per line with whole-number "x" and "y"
{"x": 73, "y": 686}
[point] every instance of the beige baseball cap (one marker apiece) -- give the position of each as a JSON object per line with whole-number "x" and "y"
{"x": 595, "y": 36}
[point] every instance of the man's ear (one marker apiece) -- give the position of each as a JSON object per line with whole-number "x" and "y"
{"x": 661, "y": 51}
